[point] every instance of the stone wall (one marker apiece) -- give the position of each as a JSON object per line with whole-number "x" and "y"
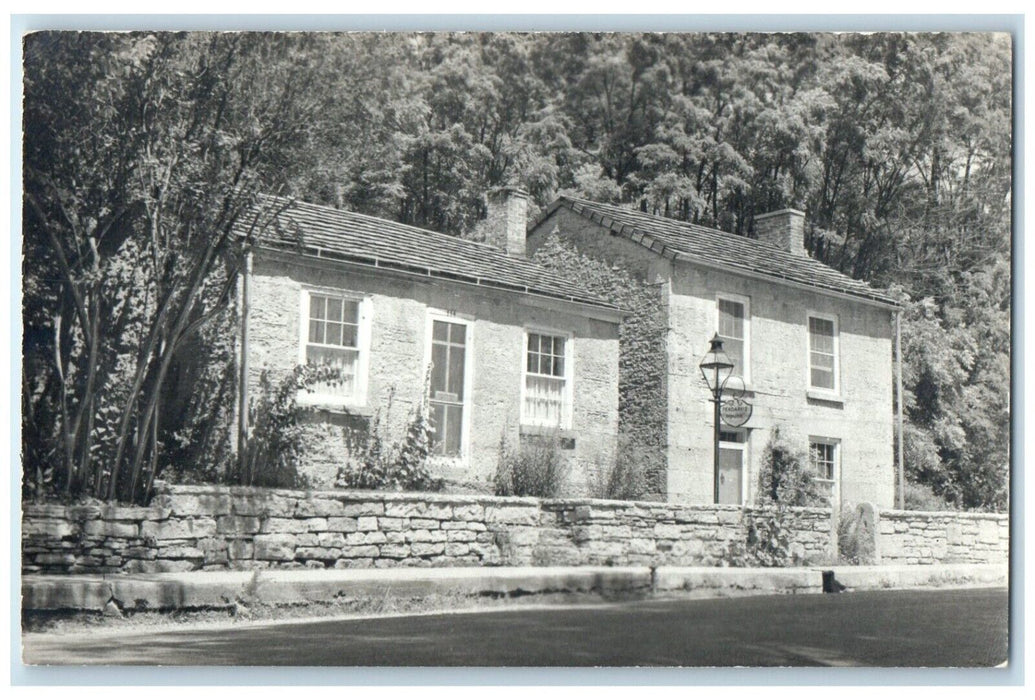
{"x": 915, "y": 537}
{"x": 210, "y": 528}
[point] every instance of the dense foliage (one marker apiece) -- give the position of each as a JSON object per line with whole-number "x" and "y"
{"x": 142, "y": 150}
{"x": 785, "y": 477}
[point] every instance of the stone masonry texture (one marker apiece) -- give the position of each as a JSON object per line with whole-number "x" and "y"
{"x": 859, "y": 417}
{"x": 399, "y": 309}
{"x": 913, "y": 537}
{"x": 189, "y": 528}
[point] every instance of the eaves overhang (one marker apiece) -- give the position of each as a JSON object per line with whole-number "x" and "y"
{"x": 288, "y": 251}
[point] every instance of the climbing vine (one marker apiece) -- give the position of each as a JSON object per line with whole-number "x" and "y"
{"x": 373, "y": 461}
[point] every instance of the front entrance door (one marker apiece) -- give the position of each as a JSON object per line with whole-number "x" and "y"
{"x": 731, "y": 468}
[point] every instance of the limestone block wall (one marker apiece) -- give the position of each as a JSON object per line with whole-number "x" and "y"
{"x": 915, "y": 537}
{"x": 399, "y": 309}
{"x": 217, "y": 528}
{"x": 659, "y": 534}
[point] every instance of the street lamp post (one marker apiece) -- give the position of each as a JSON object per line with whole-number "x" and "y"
{"x": 716, "y": 368}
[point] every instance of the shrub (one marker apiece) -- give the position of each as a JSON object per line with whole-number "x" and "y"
{"x": 374, "y": 463}
{"x": 854, "y": 544}
{"x": 785, "y": 477}
{"x": 276, "y": 443}
{"x": 767, "y": 541}
{"x": 535, "y": 468}
{"x": 625, "y": 479}
{"x": 784, "y": 483}
{"x": 923, "y": 497}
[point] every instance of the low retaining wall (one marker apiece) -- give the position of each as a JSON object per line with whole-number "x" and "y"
{"x": 210, "y": 528}
{"x": 916, "y": 537}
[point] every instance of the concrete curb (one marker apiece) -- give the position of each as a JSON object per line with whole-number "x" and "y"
{"x": 221, "y": 589}
{"x": 704, "y": 581}
{"x": 867, "y": 578}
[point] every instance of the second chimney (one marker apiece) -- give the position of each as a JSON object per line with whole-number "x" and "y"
{"x": 506, "y": 223}
{"x": 784, "y": 229}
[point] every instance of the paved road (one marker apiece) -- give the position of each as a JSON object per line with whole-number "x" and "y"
{"x": 886, "y": 628}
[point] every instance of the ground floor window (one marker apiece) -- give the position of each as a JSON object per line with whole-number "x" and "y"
{"x": 546, "y": 389}
{"x": 824, "y": 459}
{"x": 333, "y": 342}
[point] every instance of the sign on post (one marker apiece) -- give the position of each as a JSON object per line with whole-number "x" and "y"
{"x": 735, "y": 412}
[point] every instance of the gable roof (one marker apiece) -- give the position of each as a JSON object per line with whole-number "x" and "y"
{"x": 332, "y": 234}
{"x": 708, "y": 246}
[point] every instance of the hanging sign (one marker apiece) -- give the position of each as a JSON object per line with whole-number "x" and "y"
{"x": 735, "y": 412}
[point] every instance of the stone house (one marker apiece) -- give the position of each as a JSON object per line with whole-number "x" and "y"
{"x": 812, "y": 348}
{"x": 503, "y": 348}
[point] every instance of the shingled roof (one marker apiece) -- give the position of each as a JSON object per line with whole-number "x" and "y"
{"x": 332, "y": 234}
{"x": 714, "y": 248}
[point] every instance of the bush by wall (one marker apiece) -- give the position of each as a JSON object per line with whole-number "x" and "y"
{"x": 535, "y": 467}
{"x": 628, "y": 477}
{"x": 372, "y": 461}
{"x": 785, "y": 484}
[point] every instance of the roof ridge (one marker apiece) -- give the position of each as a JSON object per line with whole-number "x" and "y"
{"x": 685, "y": 224}
{"x": 675, "y": 238}
{"x": 347, "y": 235}
{"x": 380, "y": 219}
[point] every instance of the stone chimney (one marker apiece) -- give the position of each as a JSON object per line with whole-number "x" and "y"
{"x": 506, "y": 223}
{"x": 784, "y": 229}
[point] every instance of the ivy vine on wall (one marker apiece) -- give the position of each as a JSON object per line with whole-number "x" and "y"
{"x": 642, "y": 403}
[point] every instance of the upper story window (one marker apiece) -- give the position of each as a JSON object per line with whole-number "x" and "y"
{"x": 823, "y": 360}
{"x": 734, "y": 329}
{"x": 333, "y": 338}
{"x": 547, "y": 387}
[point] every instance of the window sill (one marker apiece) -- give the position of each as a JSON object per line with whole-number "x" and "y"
{"x": 546, "y": 431}
{"x": 440, "y": 462}
{"x": 331, "y": 405}
{"x": 825, "y": 397}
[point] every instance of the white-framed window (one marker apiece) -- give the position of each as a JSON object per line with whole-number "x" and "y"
{"x": 733, "y": 325}
{"x": 546, "y": 387}
{"x": 825, "y": 462}
{"x": 335, "y": 336}
{"x": 449, "y": 357}
{"x": 823, "y": 361}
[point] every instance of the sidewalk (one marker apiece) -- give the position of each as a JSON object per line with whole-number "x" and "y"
{"x": 222, "y": 589}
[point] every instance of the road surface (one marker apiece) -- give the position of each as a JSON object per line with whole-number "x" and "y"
{"x": 942, "y": 628}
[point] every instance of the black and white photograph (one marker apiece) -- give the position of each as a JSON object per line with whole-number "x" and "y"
{"x": 515, "y": 349}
